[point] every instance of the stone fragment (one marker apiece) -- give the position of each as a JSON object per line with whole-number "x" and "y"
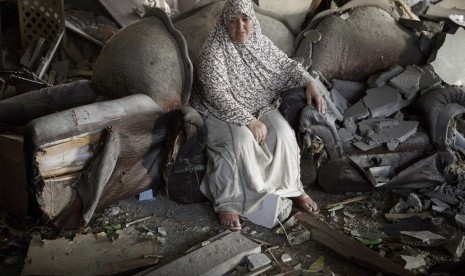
{"x": 380, "y": 79}
{"x": 414, "y": 202}
{"x": 382, "y": 101}
{"x": 222, "y": 254}
{"x": 443, "y": 198}
{"x": 442, "y": 206}
{"x": 456, "y": 246}
{"x": 379, "y": 176}
{"x": 422, "y": 238}
{"x": 408, "y": 82}
{"x": 146, "y": 195}
{"x": 340, "y": 102}
{"x": 412, "y": 263}
{"x": 429, "y": 79}
{"x": 460, "y": 220}
{"x": 300, "y": 237}
{"x": 344, "y": 135}
{"x": 352, "y": 91}
{"x": 357, "y": 112}
{"x": 256, "y": 261}
{"x": 449, "y": 63}
{"x": 285, "y": 258}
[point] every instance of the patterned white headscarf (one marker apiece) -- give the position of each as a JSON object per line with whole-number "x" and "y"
{"x": 238, "y": 81}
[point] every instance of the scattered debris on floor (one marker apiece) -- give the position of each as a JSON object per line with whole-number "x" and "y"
{"x": 391, "y": 144}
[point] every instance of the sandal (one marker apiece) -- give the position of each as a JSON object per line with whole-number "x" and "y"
{"x": 306, "y": 204}
{"x": 230, "y": 221}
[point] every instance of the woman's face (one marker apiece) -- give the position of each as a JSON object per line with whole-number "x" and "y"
{"x": 239, "y": 28}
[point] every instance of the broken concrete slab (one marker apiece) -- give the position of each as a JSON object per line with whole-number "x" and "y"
{"x": 414, "y": 202}
{"x": 382, "y": 101}
{"x": 412, "y": 263}
{"x": 440, "y": 206}
{"x": 429, "y": 80}
{"x": 449, "y": 63}
{"x": 408, "y": 82}
{"x": 443, "y": 197}
{"x": 421, "y": 238}
{"x": 357, "y": 112}
{"x": 380, "y": 79}
{"x": 352, "y": 91}
{"x": 222, "y": 254}
{"x": 379, "y": 176}
{"x": 456, "y": 246}
{"x": 344, "y": 135}
{"x": 90, "y": 254}
{"x": 273, "y": 208}
{"x": 460, "y": 220}
{"x": 398, "y": 133}
{"x": 257, "y": 261}
{"x": 340, "y": 102}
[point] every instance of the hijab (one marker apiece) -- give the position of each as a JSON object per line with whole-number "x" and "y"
{"x": 238, "y": 81}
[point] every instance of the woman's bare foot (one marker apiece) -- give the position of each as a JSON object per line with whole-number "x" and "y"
{"x": 306, "y": 203}
{"x": 230, "y": 221}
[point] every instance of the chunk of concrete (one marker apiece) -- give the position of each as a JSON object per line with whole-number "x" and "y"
{"x": 443, "y": 197}
{"x": 257, "y": 261}
{"x": 429, "y": 79}
{"x": 379, "y": 176}
{"x": 398, "y": 133}
{"x": 344, "y": 135}
{"x": 382, "y": 101}
{"x": 460, "y": 220}
{"x": 222, "y": 254}
{"x": 414, "y": 202}
{"x": 412, "y": 263}
{"x": 422, "y": 238}
{"x": 450, "y": 62}
{"x": 357, "y": 112}
{"x": 273, "y": 208}
{"x": 381, "y": 79}
{"x": 456, "y": 246}
{"x": 352, "y": 91}
{"x": 340, "y": 102}
{"x": 408, "y": 82}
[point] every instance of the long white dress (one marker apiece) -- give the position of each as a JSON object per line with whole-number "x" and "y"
{"x": 234, "y": 84}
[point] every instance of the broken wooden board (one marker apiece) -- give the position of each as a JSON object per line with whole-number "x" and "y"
{"x": 349, "y": 248}
{"x": 67, "y": 156}
{"x": 122, "y": 11}
{"x": 215, "y": 258}
{"x": 90, "y": 254}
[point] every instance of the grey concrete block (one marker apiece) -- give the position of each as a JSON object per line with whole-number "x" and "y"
{"x": 460, "y": 220}
{"x": 344, "y": 135}
{"x": 398, "y": 133}
{"x": 429, "y": 79}
{"x": 382, "y": 101}
{"x": 449, "y": 63}
{"x": 422, "y": 238}
{"x": 256, "y": 261}
{"x": 357, "y": 112}
{"x": 352, "y": 91}
{"x": 380, "y": 79}
{"x": 412, "y": 263}
{"x": 223, "y": 255}
{"x": 408, "y": 82}
{"x": 364, "y": 146}
{"x": 340, "y": 102}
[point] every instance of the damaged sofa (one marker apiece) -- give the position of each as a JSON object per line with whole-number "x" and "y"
{"x": 88, "y": 144}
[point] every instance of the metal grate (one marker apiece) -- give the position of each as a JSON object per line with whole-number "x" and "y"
{"x": 40, "y": 18}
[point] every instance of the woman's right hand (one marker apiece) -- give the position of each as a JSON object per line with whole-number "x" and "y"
{"x": 258, "y": 130}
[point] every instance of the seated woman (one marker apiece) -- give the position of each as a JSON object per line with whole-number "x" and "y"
{"x": 252, "y": 150}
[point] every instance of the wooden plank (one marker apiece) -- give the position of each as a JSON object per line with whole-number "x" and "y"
{"x": 68, "y": 144}
{"x": 349, "y": 248}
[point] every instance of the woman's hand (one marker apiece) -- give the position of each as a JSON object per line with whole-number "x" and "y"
{"x": 313, "y": 94}
{"x": 258, "y": 130}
